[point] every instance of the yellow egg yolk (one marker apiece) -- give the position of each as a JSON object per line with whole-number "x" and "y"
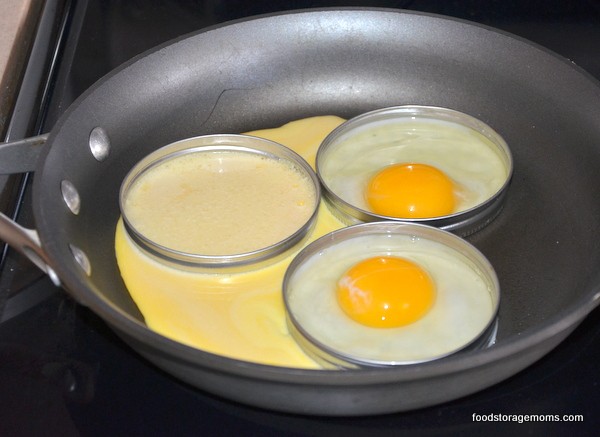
{"x": 411, "y": 191}
{"x": 385, "y": 292}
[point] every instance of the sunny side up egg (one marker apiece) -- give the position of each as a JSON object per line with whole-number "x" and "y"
{"x": 413, "y": 168}
{"x": 238, "y": 315}
{"x": 390, "y": 299}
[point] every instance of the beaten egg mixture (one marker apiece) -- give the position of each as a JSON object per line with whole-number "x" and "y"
{"x": 237, "y": 315}
{"x": 211, "y": 190}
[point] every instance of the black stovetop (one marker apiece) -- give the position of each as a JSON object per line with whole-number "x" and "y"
{"x": 63, "y": 372}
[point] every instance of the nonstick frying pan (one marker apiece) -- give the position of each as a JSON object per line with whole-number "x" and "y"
{"x": 268, "y": 70}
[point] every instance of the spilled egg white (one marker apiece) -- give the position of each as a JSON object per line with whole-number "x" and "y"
{"x": 467, "y": 157}
{"x": 466, "y": 302}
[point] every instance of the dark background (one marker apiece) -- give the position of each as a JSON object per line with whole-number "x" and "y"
{"x": 63, "y": 372}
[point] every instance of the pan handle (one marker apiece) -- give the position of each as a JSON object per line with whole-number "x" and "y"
{"x": 21, "y": 157}
{"x": 28, "y": 243}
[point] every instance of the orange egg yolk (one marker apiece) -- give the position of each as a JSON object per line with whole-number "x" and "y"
{"x": 385, "y": 292}
{"x": 411, "y": 191}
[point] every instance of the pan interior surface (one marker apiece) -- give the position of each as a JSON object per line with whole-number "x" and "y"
{"x": 265, "y": 72}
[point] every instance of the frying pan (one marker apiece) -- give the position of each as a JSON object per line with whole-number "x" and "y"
{"x": 268, "y": 70}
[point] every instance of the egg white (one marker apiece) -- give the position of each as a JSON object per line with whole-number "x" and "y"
{"x": 462, "y": 310}
{"x": 466, "y": 156}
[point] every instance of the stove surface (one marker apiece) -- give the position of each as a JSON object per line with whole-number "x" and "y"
{"x": 64, "y": 372}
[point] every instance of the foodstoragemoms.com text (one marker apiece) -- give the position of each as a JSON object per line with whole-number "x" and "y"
{"x": 521, "y": 418}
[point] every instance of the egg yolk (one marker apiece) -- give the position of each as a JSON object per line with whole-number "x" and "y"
{"x": 411, "y": 191}
{"x": 385, "y": 292}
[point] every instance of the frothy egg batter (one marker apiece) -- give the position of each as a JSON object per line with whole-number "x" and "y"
{"x": 212, "y": 190}
{"x": 238, "y": 315}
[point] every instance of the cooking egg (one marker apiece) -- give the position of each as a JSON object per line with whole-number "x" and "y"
{"x": 413, "y": 163}
{"x": 411, "y": 191}
{"x": 389, "y": 293}
{"x": 219, "y": 195}
{"x": 385, "y": 292}
{"x": 237, "y": 315}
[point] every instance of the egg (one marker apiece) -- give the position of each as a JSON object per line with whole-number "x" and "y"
{"x": 196, "y": 202}
{"x": 385, "y": 292}
{"x": 386, "y": 298}
{"x": 237, "y": 315}
{"x": 243, "y": 315}
{"x": 411, "y": 191}
{"x": 412, "y": 166}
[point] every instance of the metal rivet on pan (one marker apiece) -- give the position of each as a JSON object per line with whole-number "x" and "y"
{"x": 99, "y": 143}
{"x": 81, "y": 259}
{"x": 70, "y": 196}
